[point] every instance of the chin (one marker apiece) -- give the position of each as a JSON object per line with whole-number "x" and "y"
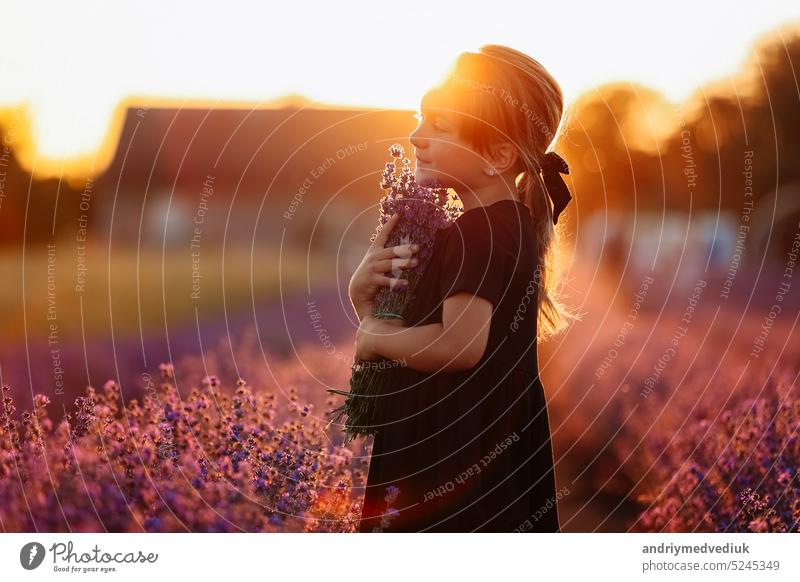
{"x": 433, "y": 180}
{"x": 425, "y": 176}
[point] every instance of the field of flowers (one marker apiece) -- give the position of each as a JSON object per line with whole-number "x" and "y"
{"x": 224, "y": 444}
{"x": 224, "y": 458}
{"x": 719, "y": 452}
{"x": 713, "y": 446}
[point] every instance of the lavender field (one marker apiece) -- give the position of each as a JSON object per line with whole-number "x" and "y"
{"x": 659, "y": 424}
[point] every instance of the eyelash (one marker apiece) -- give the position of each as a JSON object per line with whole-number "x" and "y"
{"x": 418, "y": 117}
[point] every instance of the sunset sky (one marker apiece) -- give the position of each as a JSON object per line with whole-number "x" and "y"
{"x": 73, "y": 61}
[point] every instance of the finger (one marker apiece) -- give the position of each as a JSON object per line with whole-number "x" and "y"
{"x": 403, "y": 251}
{"x": 386, "y": 229}
{"x": 395, "y": 264}
{"x": 392, "y": 282}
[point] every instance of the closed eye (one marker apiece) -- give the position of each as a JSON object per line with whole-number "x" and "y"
{"x": 420, "y": 118}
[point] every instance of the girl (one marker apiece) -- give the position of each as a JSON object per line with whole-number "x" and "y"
{"x": 465, "y": 444}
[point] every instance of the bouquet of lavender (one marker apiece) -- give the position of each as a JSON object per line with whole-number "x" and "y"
{"x": 423, "y": 209}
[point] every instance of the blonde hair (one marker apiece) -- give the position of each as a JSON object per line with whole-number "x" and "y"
{"x": 505, "y": 95}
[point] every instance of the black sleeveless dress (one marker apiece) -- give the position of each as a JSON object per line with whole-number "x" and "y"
{"x": 470, "y": 451}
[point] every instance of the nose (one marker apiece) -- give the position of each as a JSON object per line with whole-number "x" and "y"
{"x": 418, "y": 149}
{"x": 415, "y": 138}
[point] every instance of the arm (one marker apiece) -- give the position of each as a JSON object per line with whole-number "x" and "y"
{"x": 456, "y": 344}
{"x": 362, "y": 309}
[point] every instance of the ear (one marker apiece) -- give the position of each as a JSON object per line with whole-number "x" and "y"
{"x": 503, "y": 156}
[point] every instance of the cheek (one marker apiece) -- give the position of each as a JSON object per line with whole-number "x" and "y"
{"x": 455, "y": 157}
{"x": 453, "y": 163}
{"x": 464, "y": 164}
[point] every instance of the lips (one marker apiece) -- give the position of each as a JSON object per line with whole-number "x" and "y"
{"x": 423, "y": 160}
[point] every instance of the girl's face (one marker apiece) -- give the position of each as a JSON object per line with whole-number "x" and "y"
{"x": 440, "y": 152}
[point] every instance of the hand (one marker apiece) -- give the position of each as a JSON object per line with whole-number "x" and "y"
{"x": 368, "y": 278}
{"x": 393, "y": 321}
{"x": 369, "y": 331}
{"x": 364, "y": 337}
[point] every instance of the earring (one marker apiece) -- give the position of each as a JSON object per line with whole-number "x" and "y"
{"x": 490, "y": 171}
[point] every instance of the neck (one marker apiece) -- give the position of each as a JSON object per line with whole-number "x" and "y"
{"x": 493, "y": 190}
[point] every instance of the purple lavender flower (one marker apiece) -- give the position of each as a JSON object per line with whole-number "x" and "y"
{"x": 424, "y": 210}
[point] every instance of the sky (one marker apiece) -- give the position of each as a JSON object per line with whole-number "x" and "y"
{"x": 72, "y": 62}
